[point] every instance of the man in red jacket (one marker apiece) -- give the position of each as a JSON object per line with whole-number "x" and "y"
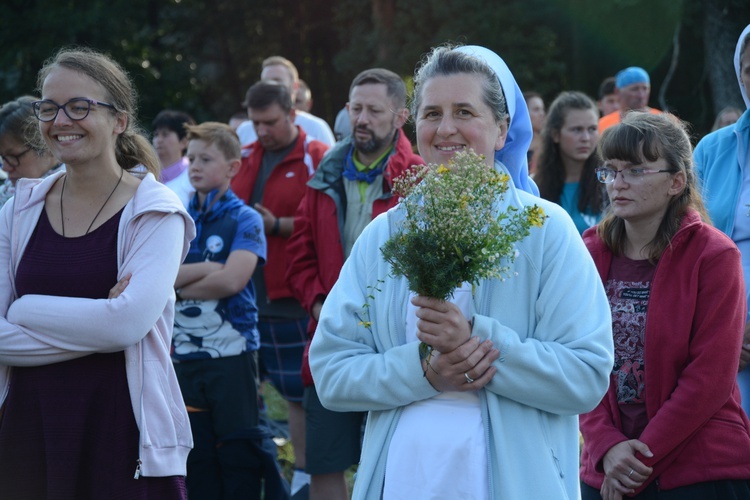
{"x": 272, "y": 178}
{"x": 352, "y": 185}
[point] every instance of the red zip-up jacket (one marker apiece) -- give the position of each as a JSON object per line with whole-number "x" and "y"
{"x": 282, "y": 194}
{"x": 696, "y": 314}
{"x": 315, "y": 251}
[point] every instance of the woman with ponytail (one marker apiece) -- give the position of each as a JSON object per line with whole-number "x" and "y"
{"x": 92, "y": 408}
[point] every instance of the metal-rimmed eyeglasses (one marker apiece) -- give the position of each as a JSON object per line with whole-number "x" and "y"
{"x": 13, "y": 160}
{"x": 76, "y": 109}
{"x": 607, "y": 175}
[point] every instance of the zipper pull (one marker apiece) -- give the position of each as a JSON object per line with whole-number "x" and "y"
{"x": 137, "y": 469}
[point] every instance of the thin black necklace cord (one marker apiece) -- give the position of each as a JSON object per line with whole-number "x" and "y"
{"x": 62, "y": 215}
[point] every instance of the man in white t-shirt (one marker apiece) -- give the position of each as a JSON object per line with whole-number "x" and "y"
{"x": 280, "y": 69}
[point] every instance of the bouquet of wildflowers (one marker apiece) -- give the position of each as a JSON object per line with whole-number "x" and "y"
{"x": 454, "y": 230}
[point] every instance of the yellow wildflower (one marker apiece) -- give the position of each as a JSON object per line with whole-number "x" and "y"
{"x": 536, "y": 216}
{"x": 455, "y": 230}
{"x": 464, "y": 201}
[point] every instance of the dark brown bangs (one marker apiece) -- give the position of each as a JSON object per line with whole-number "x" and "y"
{"x": 632, "y": 142}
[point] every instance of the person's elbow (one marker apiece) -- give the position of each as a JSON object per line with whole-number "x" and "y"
{"x": 325, "y": 385}
{"x": 331, "y": 397}
{"x": 236, "y": 273}
{"x": 586, "y": 379}
{"x": 599, "y": 368}
{"x": 234, "y": 285}
{"x": 593, "y": 396}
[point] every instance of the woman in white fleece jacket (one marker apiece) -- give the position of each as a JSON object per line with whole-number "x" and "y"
{"x": 91, "y": 405}
{"x": 495, "y": 416}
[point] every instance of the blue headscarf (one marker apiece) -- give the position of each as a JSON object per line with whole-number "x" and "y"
{"x": 514, "y": 153}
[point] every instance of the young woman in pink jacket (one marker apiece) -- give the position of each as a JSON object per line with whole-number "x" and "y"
{"x": 88, "y": 260}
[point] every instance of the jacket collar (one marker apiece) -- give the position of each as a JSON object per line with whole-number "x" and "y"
{"x": 331, "y": 167}
{"x": 30, "y": 192}
{"x": 149, "y": 197}
{"x": 690, "y": 223}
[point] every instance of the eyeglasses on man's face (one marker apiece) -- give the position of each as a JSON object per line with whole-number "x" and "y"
{"x": 13, "y": 160}
{"x": 76, "y": 109}
{"x": 607, "y": 175}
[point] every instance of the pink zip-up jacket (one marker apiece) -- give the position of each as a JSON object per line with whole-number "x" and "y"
{"x": 35, "y": 330}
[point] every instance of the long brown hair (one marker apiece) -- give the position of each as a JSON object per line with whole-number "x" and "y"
{"x": 550, "y": 176}
{"x": 647, "y": 137}
{"x": 132, "y": 148}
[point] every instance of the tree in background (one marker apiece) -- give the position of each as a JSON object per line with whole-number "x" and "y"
{"x": 202, "y": 56}
{"x": 723, "y": 23}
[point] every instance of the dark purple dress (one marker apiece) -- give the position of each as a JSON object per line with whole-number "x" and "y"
{"x": 68, "y": 430}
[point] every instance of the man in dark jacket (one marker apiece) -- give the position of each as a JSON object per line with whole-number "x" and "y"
{"x": 272, "y": 179}
{"x": 352, "y": 185}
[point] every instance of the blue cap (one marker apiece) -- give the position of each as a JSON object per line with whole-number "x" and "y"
{"x": 631, "y": 75}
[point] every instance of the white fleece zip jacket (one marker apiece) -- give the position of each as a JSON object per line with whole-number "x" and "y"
{"x": 551, "y": 323}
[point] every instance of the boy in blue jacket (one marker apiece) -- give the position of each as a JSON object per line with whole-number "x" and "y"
{"x": 215, "y": 338}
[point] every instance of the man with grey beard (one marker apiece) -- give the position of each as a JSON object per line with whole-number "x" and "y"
{"x": 352, "y": 185}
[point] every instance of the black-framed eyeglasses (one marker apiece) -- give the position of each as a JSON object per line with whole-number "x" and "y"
{"x": 76, "y": 109}
{"x": 607, "y": 175}
{"x": 14, "y": 160}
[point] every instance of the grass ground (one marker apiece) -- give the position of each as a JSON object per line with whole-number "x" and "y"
{"x": 277, "y": 410}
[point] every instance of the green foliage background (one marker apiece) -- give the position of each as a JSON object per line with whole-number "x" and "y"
{"x": 201, "y": 55}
